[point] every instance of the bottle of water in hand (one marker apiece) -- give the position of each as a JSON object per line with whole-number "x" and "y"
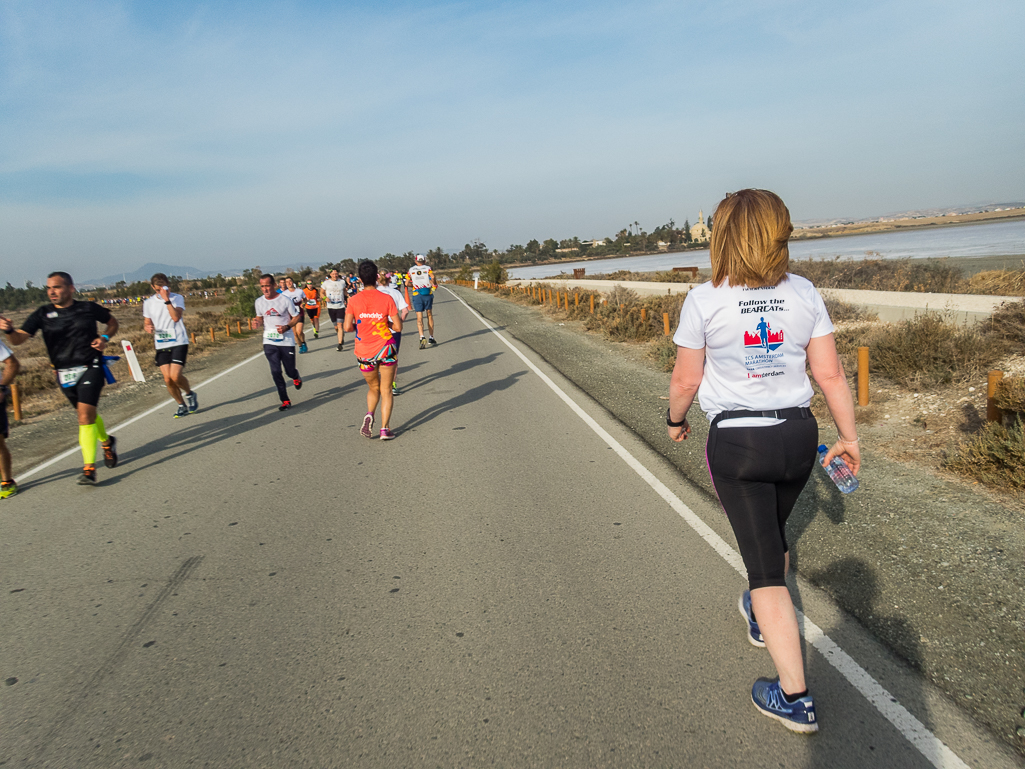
{"x": 838, "y": 472}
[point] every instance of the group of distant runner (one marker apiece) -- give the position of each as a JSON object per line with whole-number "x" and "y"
{"x": 360, "y": 304}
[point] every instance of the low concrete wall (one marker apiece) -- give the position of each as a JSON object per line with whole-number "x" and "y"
{"x": 890, "y": 305}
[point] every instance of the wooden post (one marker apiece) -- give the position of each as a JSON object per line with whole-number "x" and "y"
{"x": 644, "y": 315}
{"x": 993, "y": 414}
{"x": 665, "y": 323}
{"x": 16, "y": 401}
{"x": 212, "y": 333}
{"x": 576, "y": 299}
{"x": 227, "y": 329}
{"x": 193, "y": 337}
{"x": 238, "y": 327}
{"x": 592, "y": 304}
{"x": 862, "y": 376}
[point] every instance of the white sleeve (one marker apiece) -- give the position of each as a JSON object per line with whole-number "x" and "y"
{"x": 823, "y": 325}
{"x": 178, "y": 301}
{"x": 691, "y": 331}
{"x": 292, "y": 309}
{"x": 145, "y": 311}
{"x": 5, "y": 352}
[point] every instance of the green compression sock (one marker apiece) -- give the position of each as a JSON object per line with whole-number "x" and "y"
{"x": 101, "y": 429}
{"x": 87, "y": 438}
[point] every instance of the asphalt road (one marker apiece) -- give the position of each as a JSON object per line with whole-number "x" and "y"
{"x": 497, "y": 586}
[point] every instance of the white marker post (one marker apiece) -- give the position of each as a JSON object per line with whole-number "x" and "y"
{"x": 133, "y": 362}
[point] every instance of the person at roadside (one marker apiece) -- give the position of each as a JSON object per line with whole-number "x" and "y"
{"x": 403, "y": 307}
{"x": 333, "y": 293}
{"x": 421, "y": 279}
{"x": 8, "y": 488}
{"x": 162, "y": 316}
{"x": 752, "y": 385}
{"x": 351, "y": 285}
{"x": 76, "y": 354}
{"x": 298, "y": 299}
{"x": 374, "y": 317}
{"x": 312, "y": 304}
{"x": 280, "y": 316}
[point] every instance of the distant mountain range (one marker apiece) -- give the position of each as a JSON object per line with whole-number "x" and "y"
{"x": 925, "y": 212}
{"x": 148, "y": 270}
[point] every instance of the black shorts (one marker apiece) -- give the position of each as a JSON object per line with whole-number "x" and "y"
{"x": 313, "y": 313}
{"x": 88, "y": 388}
{"x": 337, "y": 316}
{"x": 176, "y": 355}
{"x": 4, "y": 429}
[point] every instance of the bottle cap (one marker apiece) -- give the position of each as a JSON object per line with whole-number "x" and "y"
{"x": 822, "y": 447}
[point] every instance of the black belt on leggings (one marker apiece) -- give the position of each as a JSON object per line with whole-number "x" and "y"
{"x": 794, "y": 413}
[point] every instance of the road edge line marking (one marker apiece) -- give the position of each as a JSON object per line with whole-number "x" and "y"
{"x": 927, "y": 743}
{"x": 136, "y": 418}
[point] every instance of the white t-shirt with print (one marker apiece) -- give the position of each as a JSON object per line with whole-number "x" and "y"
{"x": 296, "y": 295}
{"x": 754, "y": 341}
{"x": 5, "y": 352}
{"x": 277, "y": 312}
{"x": 166, "y": 333}
{"x": 335, "y": 290}
{"x": 394, "y": 293}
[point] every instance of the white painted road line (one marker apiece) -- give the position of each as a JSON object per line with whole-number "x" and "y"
{"x": 115, "y": 428}
{"x": 927, "y": 743}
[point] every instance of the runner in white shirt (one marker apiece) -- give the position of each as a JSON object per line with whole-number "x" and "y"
{"x": 403, "y": 307}
{"x": 298, "y": 298}
{"x": 280, "y": 316}
{"x": 162, "y": 316}
{"x": 421, "y": 280}
{"x": 333, "y": 292}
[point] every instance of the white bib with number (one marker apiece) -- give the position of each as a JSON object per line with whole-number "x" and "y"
{"x": 68, "y": 377}
{"x": 273, "y": 336}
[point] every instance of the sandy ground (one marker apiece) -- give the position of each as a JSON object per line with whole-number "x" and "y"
{"x": 864, "y": 228}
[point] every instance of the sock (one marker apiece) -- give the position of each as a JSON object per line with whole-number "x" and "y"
{"x": 101, "y": 430}
{"x": 87, "y": 440}
{"x": 792, "y": 698}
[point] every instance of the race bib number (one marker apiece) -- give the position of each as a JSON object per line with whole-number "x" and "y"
{"x": 69, "y": 377}
{"x": 272, "y": 335}
{"x": 164, "y": 336}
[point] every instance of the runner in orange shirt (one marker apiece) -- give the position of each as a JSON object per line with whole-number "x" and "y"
{"x": 312, "y": 305}
{"x": 372, "y": 314}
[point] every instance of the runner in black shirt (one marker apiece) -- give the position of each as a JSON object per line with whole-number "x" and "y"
{"x": 76, "y": 353}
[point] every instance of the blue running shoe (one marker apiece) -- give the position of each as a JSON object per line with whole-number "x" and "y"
{"x": 754, "y": 635}
{"x": 192, "y": 401}
{"x": 799, "y": 716}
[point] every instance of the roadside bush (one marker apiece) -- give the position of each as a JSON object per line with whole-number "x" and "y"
{"x": 465, "y": 273}
{"x": 840, "y": 311}
{"x": 663, "y": 353}
{"x": 923, "y": 351}
{"x": 1010, "y": 395}
{"x": 995, "y": 456}
{"x": 241, "y": 304}
{"x": 494, "y": 273}
{"x": 998, "y": 282}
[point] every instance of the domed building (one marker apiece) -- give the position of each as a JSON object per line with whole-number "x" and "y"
{"x": 699, "y": 230}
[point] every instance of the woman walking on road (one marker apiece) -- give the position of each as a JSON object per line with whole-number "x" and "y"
{"x": 372, "y": 314}
{"x": 743, "y": 341}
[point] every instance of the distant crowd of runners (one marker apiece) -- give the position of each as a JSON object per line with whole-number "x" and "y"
{"x": 76, "y": 334}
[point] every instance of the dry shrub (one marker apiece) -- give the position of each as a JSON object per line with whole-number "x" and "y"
{"x": 923, "y": 351}
{"x": 921, "y": 275}
{"x": 1007, "y": 324}
{"x": 840, "y": 311}
{"x": 663, "y": 353}
{"x": 1010, "y": 395}
{"x": 995, "y": 456}
{"x": 998, "y": 282}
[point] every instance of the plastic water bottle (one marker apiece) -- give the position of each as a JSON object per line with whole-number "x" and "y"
{"x": 838, "y": 472}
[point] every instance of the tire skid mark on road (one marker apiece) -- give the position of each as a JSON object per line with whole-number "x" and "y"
{"x": 927, "y": 743}
{"x": 120, "y": 651}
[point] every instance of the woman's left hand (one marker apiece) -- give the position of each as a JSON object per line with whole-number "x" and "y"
{"x": 679, "y": 434}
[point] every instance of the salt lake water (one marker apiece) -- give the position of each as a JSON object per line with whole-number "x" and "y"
{"x": 996, "y": 239}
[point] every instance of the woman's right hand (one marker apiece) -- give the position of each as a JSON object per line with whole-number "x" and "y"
{"x": 849, "y": 451}
{"x": 680, "y": 433}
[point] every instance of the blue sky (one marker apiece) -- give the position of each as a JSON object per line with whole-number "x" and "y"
{"x": 223, "y": 135}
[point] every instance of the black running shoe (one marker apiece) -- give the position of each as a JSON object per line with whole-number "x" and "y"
{"x": 298, "y": 383}
{"x": 339, "y": 347}
{"x": 192, "y": 401}
{"x": 285, "y": 405}
{"x": 431, "y": 341}
{"x": 110, "y": 451}
{"x": 88, "y": 476}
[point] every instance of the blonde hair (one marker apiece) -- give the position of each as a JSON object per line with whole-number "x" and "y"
{"x": 750, "y": 229}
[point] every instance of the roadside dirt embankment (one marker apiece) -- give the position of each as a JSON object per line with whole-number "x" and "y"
{"x": 929, "y": 564}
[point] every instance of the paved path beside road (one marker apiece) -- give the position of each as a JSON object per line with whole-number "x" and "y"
{"x": 499, "y": 585}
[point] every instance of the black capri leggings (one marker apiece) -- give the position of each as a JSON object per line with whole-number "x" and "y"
{"x": 758, "y": 473}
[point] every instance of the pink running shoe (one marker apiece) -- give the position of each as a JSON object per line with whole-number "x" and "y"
{"x": 368, "y": 425}
{"x": 386, "y": 434}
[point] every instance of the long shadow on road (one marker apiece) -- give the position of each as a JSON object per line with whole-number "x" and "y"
{"x": 473, "y": 394}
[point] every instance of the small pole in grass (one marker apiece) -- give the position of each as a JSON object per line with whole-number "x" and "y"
{"x": 16, "y": 401}
{"x": 238, "y": 327}
{"x": 227, "y": 328}
{"x": 193, "y": 337}
{"x": 644, "y": 315}
{"x": 212, "y": 333}
{"x": 665, "y": 323}
{"x": 592, "y": 304}
{"x": 993, "y": 414}
{"x": 576, "y": 299}
{"x": 862, "y": 376}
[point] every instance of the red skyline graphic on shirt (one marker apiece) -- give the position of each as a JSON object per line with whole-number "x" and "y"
{"x": 753, "y": 340}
